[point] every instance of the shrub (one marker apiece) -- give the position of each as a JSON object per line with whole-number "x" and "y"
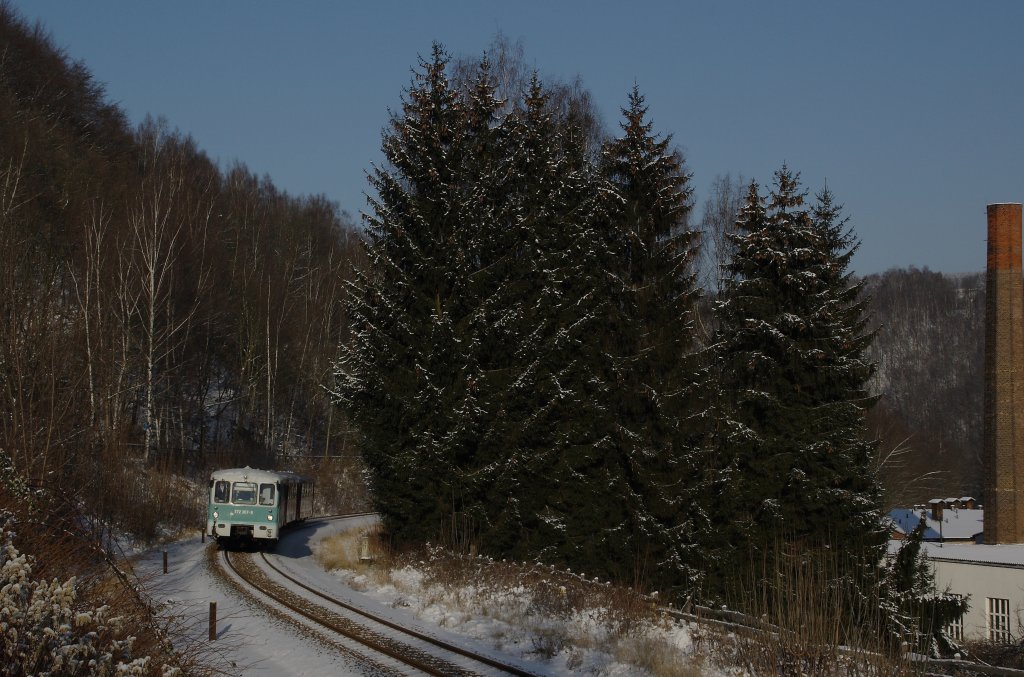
{"x": 45, "y": 629}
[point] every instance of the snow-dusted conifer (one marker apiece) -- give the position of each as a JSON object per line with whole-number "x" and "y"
{"x": 794, "y": 457}
{"x": 914, "y": 609}
{"x": 649, "y": 340}
{"x": 479, "y": 372}
{"x": 403, "y": 376}
{"x": 549, "y": 417}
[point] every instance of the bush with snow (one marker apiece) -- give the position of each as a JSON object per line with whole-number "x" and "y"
{"x": 46, "y": 630}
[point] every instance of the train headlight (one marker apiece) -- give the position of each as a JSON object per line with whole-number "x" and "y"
{"x": 216, "y": 515}
{"x": 270, "y": 517}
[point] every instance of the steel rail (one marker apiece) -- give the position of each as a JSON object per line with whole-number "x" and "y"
{"x": 734, "y": 621}
{"x": 447, "y": 646}
{"x": 399, "y": 653}
{"x": 389, "y": 646}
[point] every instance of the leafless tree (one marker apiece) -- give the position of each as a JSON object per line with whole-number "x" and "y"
{"x": 717, "y": 225}
{"x": 37, "y": 374}
{"x": 159, "y": 217}
{"x": 89, "y": 294}
{"x": 511, "y": 74}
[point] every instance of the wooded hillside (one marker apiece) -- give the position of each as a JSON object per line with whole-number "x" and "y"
{"x": 521, "y": 345}
{"x": 930, "y": 355}
{"x": 154, "y": 307}
{"x": 158, "y": 307}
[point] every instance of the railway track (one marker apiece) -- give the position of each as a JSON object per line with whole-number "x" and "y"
{"x": 408, "y": 647}
{"x": 396, "y": 650}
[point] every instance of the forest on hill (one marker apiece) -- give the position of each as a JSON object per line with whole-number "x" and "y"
{"x": 156, "y": 309}
{"x": 158, "y": 306}
{"x": 930, "y": 355}
{"x": 528, "y": 307}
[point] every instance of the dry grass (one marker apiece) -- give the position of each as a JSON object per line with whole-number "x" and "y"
{"x": 801, "y": 600}
{"x": 1008, "y": 654}
{"x": 551, "y": 612}
{"x": 358, "y": 550}
{"x": 805, "y": 627}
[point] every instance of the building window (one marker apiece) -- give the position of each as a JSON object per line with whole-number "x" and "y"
{"x": 955, "y": 630}
{"x": 997, "y": 611}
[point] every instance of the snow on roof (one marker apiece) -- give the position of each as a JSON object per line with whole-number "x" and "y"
{"x": 1011, "y": 555}
{"x": 253, "y": 475}
{"x": 957, "y": 524}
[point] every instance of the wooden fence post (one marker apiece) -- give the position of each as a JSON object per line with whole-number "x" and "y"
{"x": 213, "y": 621}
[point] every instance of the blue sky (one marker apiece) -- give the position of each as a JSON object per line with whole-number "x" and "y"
{"x": 913, "y": 112}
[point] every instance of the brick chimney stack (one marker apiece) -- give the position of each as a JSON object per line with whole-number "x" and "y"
{"x": 1004, "y": 378}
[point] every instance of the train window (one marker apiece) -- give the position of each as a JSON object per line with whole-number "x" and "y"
{"x": 220, "y": 491}
{"x": 266, "y": 494}
{"x": 244, "y": 493}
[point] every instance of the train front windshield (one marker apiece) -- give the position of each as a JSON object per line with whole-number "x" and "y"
{"x": 244, "y": 493}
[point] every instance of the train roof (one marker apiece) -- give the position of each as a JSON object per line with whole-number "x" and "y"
{"x": 248, "y": 474}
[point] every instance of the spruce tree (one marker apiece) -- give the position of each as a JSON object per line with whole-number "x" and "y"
{"x": 403, "y": 376}
{"x": 914, "y": 609}
{"x": 466, "y": 373}
{"x": 548, "y": 417}
{"x": 654, "y": 398}
{"x": 793, "y": 454}
{"x": 520, "y": 367}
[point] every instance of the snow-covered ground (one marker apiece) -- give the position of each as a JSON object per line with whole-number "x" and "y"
{"x": 252, "y": 642}
{"x": 249, "y": 641}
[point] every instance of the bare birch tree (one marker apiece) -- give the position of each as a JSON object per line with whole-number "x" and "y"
{"x": 717, "y": 225}
{"x": 37, "y": 374}
{"x": 157, "y": 218}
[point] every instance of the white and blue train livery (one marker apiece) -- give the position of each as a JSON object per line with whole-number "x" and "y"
{"x": 250, "y": 505}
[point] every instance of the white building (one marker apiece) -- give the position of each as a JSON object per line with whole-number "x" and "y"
{"x": 993, "y": 576}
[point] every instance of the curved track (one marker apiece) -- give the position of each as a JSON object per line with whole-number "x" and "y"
{"x": 417, "y": 650}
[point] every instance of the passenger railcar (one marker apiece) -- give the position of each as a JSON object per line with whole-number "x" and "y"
{"x": 250, "y": 505}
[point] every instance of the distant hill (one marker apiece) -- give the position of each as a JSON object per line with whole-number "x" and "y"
{"x": 930, "y": 353}
{"x": 154, "y": 306}
{"x": 250, "y": 314}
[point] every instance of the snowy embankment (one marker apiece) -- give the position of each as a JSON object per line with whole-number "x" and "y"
{"x": 515, "y": 625}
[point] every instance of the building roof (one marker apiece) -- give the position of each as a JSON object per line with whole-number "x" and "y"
{"x": 1011, "y": 555}
{"x": 958, "y": 524}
